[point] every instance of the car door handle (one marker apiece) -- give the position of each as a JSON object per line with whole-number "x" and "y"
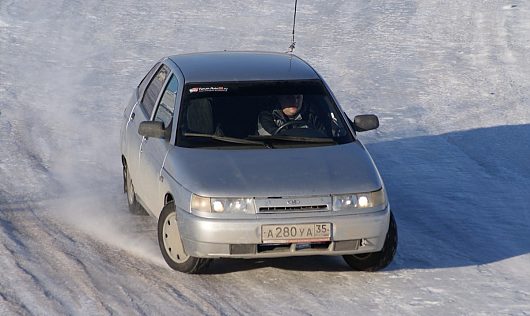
{"x": 132, "y": 116}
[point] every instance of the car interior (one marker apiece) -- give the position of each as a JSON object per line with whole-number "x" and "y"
{"x": 226, "y": 116}
{"x": 236, "y": 116}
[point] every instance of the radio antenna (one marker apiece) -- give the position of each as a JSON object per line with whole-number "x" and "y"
{"x": 291, "y": 48}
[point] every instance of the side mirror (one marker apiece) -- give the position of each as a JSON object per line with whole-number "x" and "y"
{"x": 152, "y": 129}
{"x": 366, "y": 122}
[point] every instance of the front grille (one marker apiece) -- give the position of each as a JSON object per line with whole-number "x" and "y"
{"x": 293, "y": 204}
{"x": 303, "y": 208}
{"x": 294, "y": 248}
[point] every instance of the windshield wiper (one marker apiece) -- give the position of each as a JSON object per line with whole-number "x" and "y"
{"x": 299, "y": 139}
{"x": 226, "y": 139}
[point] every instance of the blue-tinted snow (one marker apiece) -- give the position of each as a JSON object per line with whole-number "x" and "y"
{"x": 448, "y": 79}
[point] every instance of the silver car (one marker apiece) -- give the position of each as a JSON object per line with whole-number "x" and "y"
{"x": 249, "y": 155}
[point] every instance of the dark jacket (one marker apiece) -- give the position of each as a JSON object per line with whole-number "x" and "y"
{"x": 269, "y": 122}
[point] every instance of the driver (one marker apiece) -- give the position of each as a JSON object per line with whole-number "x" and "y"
{"x": 289, "y": 109}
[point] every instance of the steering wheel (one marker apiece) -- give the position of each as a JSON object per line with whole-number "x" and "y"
{"x": 290, "y": 123}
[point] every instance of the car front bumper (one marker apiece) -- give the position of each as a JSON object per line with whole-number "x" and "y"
{"x": 242, "y": 238}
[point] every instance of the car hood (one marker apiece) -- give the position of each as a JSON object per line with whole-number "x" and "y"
{"x": 282, "y": 172}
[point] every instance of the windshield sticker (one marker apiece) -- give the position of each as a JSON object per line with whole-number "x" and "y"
{"x": 208, "y": 89}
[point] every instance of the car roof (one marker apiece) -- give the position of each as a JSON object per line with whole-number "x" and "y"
{"x": 242, "y": 66}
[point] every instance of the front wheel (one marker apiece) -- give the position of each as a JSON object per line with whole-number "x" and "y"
{"x": 171, "y": 244}
{"x": 375, "y": 261}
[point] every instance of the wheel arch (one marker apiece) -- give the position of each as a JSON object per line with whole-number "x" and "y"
{"x": 124, "y": 171}
{"x": 168, "y": 197}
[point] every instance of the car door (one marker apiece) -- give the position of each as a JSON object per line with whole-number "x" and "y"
{"x": 132, "y": 140}
{"x": 143, "y": 111}
{"x": 154, "y": 150}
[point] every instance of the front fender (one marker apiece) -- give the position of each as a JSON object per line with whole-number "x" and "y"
{"x": 181, "y": 196}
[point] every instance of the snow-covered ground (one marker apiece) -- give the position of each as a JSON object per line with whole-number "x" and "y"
{"x": 449, "y": 80}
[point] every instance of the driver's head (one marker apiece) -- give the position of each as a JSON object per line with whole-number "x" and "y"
{"x": 291, "y": 104}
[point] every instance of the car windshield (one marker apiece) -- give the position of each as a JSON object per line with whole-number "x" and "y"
{"x": 263, "y": 114}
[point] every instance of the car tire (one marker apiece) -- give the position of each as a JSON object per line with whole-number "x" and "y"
{"x": 171, "y": 244}
{"x": 134, "y": 206}
{"x": 375, "y": 261}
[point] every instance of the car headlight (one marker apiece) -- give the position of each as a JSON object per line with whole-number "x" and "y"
{"x": 222, "y": 205}
{"x": 359, "y": 200}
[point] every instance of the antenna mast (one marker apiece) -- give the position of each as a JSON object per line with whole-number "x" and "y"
{"x": 291, "y": 48}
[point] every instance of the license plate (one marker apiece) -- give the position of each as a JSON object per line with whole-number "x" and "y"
{"x": 296, "y": 233}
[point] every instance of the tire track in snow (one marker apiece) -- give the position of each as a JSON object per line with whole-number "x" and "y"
{"x": 391, "y": 57}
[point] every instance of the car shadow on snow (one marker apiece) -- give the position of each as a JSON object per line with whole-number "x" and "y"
{"x": 460, "y": 199}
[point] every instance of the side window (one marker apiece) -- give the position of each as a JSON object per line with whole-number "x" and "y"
{"x": 153, "y": 89}
{"x": 164, "y": 112}
{"x": 145, "y": 80}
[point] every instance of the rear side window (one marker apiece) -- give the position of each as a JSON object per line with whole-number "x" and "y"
{"x": 145, "y": 80}
{"x": 153, "y": 89}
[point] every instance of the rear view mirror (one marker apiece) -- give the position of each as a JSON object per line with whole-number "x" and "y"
{"x": 366, "y": 122}
{"x": 152, "y": 129}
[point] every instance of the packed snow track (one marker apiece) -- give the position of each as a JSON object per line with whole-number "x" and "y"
{"x": 448, "y": 80}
